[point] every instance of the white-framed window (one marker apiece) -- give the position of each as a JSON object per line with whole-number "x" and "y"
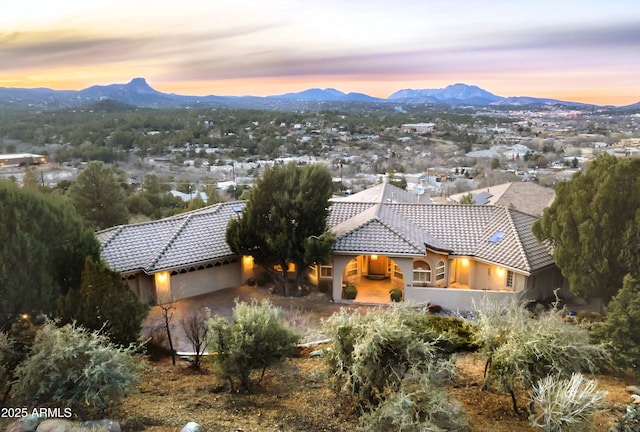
{"x": 352, "y": 268}
{"x": 397, "y": 273}
{"x": 326, "y": 271}
{"x": 440, "y": 270}
{"x": 421, "y": 273}
{"x": 509, "y": 280}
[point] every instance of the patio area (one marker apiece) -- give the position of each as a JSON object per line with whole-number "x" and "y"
{"x": 373, "y": 291}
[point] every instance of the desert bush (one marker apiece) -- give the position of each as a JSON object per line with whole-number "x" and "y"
{"x": 562, "y": 405}
{"x": 349, "y": 292}
{"x": 256, "y": 339}
{"x": 418, "y": 405}
{"x": 76, "y": 367}
{"x": 395, "y": 294}
{"x": 522, "y": 349}
{"x": 621, "y": 327}
{"x": 6, "y": 350}
{"x": 379, "y": 359}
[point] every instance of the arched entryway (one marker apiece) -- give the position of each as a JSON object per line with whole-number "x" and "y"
{"x": 373, "y": 276}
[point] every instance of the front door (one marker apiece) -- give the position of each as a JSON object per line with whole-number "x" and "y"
{"x": 378, "y": 266}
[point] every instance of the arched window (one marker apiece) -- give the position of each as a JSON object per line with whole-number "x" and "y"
{"x": 421, "y": 273}
{"x": 440, "y": 270}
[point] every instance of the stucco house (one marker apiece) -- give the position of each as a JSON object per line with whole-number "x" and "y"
{"x": 451, "y": 255}
{"x": 177, "y": 257}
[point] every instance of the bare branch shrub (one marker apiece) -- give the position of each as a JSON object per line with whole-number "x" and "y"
{"x": 196, "y": 328}
{"x": 562, "y": 405}
{"x": 167, "y": 315}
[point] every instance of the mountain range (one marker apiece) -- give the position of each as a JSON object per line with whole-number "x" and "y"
{"x": 139, "y": 93}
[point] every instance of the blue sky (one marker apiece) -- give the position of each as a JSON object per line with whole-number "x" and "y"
{"x": 584, "y": 50}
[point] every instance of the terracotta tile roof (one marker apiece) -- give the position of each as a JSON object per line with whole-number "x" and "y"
{"x": 463, "y": 230}
{"x": 371, "y": 227}
{"x": 362, "y": 232}
{"x": 181, "y": 240}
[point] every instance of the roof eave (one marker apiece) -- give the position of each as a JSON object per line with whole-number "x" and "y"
{"x": 196, "y": 263}
{"x": 515, "y": 269}
{"x": 394, "y": 254}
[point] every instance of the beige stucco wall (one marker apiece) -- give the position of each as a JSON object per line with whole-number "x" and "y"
{"x": 458, "y": 299}
{"x": 204, "y": 281}
{"x": 491, "y": 277}
{"x": 143, "y": 286}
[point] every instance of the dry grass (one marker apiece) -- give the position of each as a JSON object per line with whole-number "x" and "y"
{"x": 294, "y": 397}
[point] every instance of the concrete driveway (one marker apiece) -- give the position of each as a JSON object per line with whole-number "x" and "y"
{"x": 304, "y": 313}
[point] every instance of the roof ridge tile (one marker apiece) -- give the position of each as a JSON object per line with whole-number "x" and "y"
{"x": 178, "y": 230}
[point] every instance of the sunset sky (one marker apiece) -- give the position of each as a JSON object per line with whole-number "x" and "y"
{"x": 579, "y": 50}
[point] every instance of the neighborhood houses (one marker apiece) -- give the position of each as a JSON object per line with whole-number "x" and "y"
{"x": 451, "y": 255}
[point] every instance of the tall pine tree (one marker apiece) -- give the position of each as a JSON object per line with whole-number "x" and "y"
{"x": 43, "y": 246}
{"x": 593, "y": 226}
{"x": 105, "y": 302}
{"x": 285, "y": 221}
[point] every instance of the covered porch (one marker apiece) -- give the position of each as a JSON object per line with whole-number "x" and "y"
{"x": 451, "y": 298}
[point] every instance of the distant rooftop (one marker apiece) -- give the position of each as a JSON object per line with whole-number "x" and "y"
{"x": 527, "y": 197}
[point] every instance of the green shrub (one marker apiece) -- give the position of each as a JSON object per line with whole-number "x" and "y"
{"x": 451, "y": 334}
{"x": 565, "y": 405}
{"x": 621, "y": 327}
{"x": 396, "y": 295}
{"x": 256, "y": 339}
{"x": 6, "y": 349}
{"x": 77, "y": 367}
{"x": 262, "y": 279}
{"x": 325, "y": 285}
{"x": 349, "y": 292}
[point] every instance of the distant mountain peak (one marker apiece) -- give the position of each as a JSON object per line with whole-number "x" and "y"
{"x": 140, "y": 85}
{"x": 139, "y": 93}
{"x": 458, "y": 93}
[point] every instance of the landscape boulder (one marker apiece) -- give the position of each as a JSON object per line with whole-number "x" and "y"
{"x": 191, "y": 427}
{"x": 62, "y": 425}
{"x": 24, "y": 424}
